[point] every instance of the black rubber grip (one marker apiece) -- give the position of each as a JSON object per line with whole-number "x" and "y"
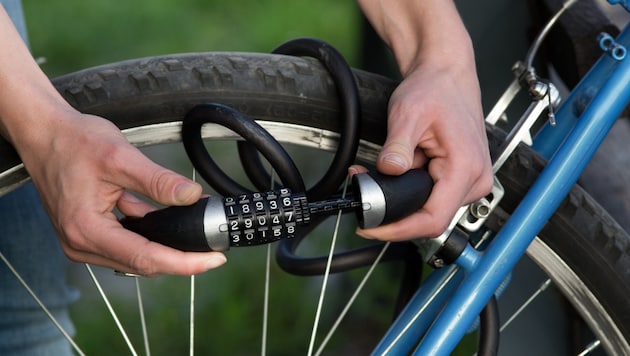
{"x": 180, "y": 227}
{"x": 404, "y": 194}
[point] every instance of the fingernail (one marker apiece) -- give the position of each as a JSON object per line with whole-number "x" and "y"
{"x": 352, "y": 171}
{"x": 215, "y": 261}
{"x": 396, "y": 159}
{"x": 185, "y": 191}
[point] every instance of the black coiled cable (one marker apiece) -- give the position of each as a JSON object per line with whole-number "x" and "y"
{"x": 258, "y": 140}
{"x": 350, "y": 124}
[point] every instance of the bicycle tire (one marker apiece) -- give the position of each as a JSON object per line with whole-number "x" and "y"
{"x": 584, "y": 251}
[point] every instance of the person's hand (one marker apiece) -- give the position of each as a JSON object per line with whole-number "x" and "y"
{"x": 435, "y": 116}
{"x": 82, "y": 166}
{"x": 435, "y": 120}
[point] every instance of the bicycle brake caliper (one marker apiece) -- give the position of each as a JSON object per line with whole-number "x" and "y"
{"x": 471, "y": 218}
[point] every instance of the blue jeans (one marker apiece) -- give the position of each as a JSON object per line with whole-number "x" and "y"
{"x": 29, "y": 242}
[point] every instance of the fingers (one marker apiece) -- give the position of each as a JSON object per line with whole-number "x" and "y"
{"x": 432, "y": 124}
{"x": 356, "y": 169}
{"x": 400, "y": 151}
{"x": 94, "y": 181}
{"x": 458, "y": 180}
{"x": 447, "y": 196}
{"x": 396, "y": 157}
{"x": 125, "y": 251}
{"x": 130, "y": 205}
{"x": 96, "y": 237}
{"x": 164, "y": 186}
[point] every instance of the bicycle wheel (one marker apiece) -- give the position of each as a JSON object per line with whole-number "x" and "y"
{"x": 581, "y": 248}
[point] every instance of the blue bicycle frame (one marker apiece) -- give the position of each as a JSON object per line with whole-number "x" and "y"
{"x": 452, "y": 297}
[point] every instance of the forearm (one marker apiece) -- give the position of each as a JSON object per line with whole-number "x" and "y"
{"x": 421, "y": 32}
{"x": 27, "y": 97}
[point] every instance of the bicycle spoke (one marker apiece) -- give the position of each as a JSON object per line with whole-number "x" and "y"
{"x": 351, "y": 300}
{"x": 447, "y": 279}
{"x": 263, "y": 347}
{"x": 529, "y": 300}
{"x": 591, "y": 347}
{"x": 265, "y": 322}
{"x": 326, "y": 275}
{"x": 191, "y": 329}
{"x": 41, "y": 304}
{"x": 143, "y": 323}
{"x": 111, "y": 310}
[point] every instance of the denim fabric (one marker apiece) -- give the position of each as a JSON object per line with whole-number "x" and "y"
{"x": 14, "y": 9}
{"x": 28, "y": 241}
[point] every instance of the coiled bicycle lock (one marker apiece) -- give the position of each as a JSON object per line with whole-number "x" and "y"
{"x": 245, "y": 218}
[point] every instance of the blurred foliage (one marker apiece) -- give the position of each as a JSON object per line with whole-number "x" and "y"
{"x": 75, "y": 34}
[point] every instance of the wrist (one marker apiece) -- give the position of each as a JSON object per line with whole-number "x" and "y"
{"x": 454, "y": 55}
{"x": 34, "y": 131}
{"x": 442, "y": 43}
{"x": 421, "y": 32}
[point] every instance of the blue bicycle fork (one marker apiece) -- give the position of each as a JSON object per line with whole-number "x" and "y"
{"x": 447, "y": 315}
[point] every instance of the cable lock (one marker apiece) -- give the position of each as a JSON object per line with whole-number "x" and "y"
{"x": 245, "y": 218}
{"x": 216, "y": 224}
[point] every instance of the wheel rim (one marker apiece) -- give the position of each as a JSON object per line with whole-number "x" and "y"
{"x": 565, "y": 279}
{"x": 580, "y": 297}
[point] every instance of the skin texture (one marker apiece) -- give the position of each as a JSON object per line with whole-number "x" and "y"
{"x": 435, "y": 115}
{"x": 84, "y": 168}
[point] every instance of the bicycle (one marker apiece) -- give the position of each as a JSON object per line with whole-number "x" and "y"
{"x": 261, "y": 85}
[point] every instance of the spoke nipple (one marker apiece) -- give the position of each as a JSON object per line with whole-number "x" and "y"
{"x": 126, "y": 274}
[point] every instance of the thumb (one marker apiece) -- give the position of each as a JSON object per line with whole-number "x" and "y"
{"x": 396, "y": 157}
{"x": 158, "y": 183}
{"x": 185, "y": 192}
{"x": 169, "y": 188}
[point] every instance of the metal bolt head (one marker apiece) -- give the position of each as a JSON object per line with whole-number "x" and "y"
{"x": 538, "y": 89}
{"x": 436, "y": 262}
{"x": 480, "y": 209}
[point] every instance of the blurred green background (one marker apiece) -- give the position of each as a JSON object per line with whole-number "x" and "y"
{"x": 75, "y": 34}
